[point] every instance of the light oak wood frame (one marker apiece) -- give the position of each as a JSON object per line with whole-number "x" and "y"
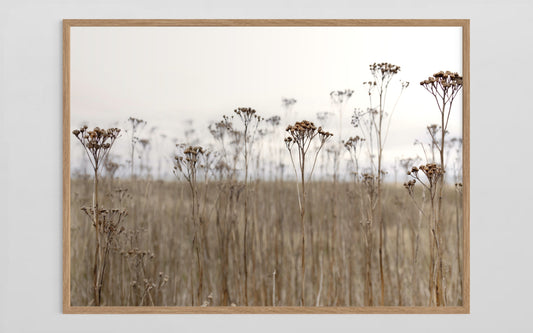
{"x": 463, "y": 23}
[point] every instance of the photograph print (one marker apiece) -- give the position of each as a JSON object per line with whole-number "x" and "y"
{"x": 266, "y": 166}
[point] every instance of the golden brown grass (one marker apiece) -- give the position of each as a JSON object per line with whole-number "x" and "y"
{"x": 152, "y": 262}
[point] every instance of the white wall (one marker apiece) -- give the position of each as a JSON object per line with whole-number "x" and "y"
{"x": 30, "y": 164}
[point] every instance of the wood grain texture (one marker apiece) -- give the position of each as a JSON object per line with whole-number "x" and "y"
{"x": 264, "y": 310}
{"x": 68, "y": 24}
{"x": 262, "y": 23}
{"x": 66, "y": 167}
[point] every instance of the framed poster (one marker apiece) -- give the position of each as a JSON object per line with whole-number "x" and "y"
{"x": 266, "y": 166}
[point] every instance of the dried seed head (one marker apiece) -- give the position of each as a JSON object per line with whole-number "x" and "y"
{"x": 353, "y": 143}
{"x": 274, "y": 120}
{"x": 444, "y": 82}
{"x": 96, "y": 142}
{"x": 189, "y": 159}
{"x": 384, "y": 68}
{"x": 288, "y": 102}
{"x": 409, "y": 185}
{"x": 341, "y": 96}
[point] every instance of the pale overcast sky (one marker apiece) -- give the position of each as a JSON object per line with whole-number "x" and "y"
{"x": 168, "y": 75}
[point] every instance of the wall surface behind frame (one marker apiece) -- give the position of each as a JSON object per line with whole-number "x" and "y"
{"x": 30, "y": 164}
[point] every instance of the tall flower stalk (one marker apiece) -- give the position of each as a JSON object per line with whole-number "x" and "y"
{"x": 97, "y": 144}
{"x": 136, "y": 124}
{"x": 301, "y": 135}
{"x": 444, "y": 87}
{"x": 375, "y": 124}
{"x": 250, "y": 121}
{"x": 432, "y": 183}
{"x": 188, "y": 161}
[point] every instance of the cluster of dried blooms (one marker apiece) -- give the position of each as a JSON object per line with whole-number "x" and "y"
{"x": 288, "y": 102}
{"x": 303, "y": 132}
{"x": 273, "y": 121}
{"x": 353, "y": 143}
{"x": 410, "y": 186}
{"x": 444, "y": 86}
{"x": 247, "y": 115}
{"x": 136, "y": 122}
{"x": 445, "y": 80}
{"x": 340, "y": 96}
{"x": 144, "y": 287}
{"x": 384, "y": 68}
{"x": 218, "y": 130}
{"x": 109, "y": 221}
{"x": 97, "y": 142}
{"x": 432, "y": 171}
{"x": 364, "y": 119}
{"x": 369, "y": 181}
{"x": 221, "y": 131}
{"x": 189, "y": 159}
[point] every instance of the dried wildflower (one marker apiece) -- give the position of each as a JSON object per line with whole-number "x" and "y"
{"x": 433, "y": 174}
{"x": 247, "y": 115}
{"x": 288, "y": 102}
{"x": 384, "y": 68}
{"x": 406, "y": 163}
{"x": 353, "y": 146}
{"x": 144, "y": 143}
{"x": 353, "y": 143}
{"x": 443, "y": 84}
{"x": 108, "y": 221}
{"x": 364, "y": 119}
{"x": 433, "y": 184}
{"x": 382, "y": 73}
{"x": 219, "y": 130}
{"x": 136, "y": 125}
{"x": 221, "y": 167}
{"x": 459, "y": 187}
{"x": 410, "y": 185}
{"x": 97, "y": 143}
{"x": 368, "y": 180}
{"x": 340, "y": 96}
{"x": 433, "y": 129}
{"x": 250, "y": 121}
{"x": 302, "y": 134}
{"x": 229, "y": 141}
{"x": 273, "y": 121}
{"x": 288, "y": 142}
{"x": 188, "y": 160}
{"x": 374, "y": 124}
{"x": 324, "y": 116}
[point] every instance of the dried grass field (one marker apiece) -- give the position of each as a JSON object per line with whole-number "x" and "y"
{"x": 153, "y": 262}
